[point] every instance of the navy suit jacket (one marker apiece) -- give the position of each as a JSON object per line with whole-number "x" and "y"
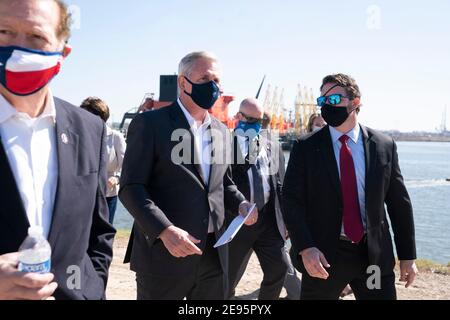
{"x": 80, "y": 235}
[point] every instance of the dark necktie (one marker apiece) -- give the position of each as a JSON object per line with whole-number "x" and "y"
{"x": 353, "y": 226}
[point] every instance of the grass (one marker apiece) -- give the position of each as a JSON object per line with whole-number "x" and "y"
{"x": 423, "y": 264}
{"x": 123, "y": 233}
{"x": 430, "y": 266}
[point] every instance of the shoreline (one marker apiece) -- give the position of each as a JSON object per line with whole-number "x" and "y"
{"x": 433, "y": 282}
{"x": 424, "y": 139}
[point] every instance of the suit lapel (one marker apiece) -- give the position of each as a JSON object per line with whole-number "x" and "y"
{"x": 13, "y": 211}
{"x": 370, "y": 159}
{"x": 179, "y": 121}
{"x": 327, "y": 152}
{"x": 67, "y": 147}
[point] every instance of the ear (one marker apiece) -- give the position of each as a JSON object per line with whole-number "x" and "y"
{"x": 356, "y": 102}
{"x": 238, "y": 116}
{"x": 183, "y": 84}
{"x": 67, "y": 50}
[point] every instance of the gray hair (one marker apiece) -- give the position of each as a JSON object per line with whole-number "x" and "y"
{"x": 188, "y": 62}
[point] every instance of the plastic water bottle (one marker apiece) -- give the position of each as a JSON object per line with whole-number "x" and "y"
{"x": 35, "y": 252}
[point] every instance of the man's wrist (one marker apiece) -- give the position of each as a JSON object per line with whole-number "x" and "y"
{"x": 304, "y": 250}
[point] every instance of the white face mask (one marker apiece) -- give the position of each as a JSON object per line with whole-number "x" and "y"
{"x": 316, "y": 128}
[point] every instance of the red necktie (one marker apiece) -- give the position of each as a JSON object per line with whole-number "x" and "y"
{"x": 353, "y": 226}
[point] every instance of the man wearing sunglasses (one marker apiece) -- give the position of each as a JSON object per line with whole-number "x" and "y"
{"x": 337, "y": 185}
{"x": 258, "y": 171}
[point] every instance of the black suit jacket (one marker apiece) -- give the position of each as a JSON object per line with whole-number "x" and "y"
{"x": 313, "y": 207}
{"x": 159, "y": 192}
{"x": 80, "y": 235}
{"x": 239, "y": 171}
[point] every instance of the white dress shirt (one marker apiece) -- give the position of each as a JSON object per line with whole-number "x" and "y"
{"x": 30, "y": 145}
{"x": 202, "y": 142}
{"x": 357, "y": 147}
{"x": 264, "y": 163}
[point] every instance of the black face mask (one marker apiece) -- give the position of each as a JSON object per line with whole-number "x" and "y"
{"x": 335, "y": 116}
{"x": 204, "y": 95}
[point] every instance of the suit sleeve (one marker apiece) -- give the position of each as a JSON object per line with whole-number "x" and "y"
{"x": 294, "y": 200}
{"x": 400, "y": 212}
{"x": 102, "y": 233}
{"x": 232, "y": 196}
{"x": 136, "y": 172}
{"x": 282, "y": 163}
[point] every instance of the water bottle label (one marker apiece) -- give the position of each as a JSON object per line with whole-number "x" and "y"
{"x": 43, "y": 267}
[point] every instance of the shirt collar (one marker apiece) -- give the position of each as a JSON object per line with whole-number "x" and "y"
{"x": 352, "y": 134}
{"x": 191, "y": 120}
{"x": 7, "y": 111}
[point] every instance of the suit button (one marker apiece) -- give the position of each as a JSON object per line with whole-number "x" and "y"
{"x": 206, "y": 221}
{"x": 147, "y": 238}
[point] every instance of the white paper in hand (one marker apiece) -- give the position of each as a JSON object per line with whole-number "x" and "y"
{"x": 233, "y": 229}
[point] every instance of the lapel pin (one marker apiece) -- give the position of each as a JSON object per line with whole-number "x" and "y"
{"x": 64, "y": 138}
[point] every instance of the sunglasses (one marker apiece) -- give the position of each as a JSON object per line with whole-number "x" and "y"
{"x": 251, "y": 120}
{"x": 333, "y": 100}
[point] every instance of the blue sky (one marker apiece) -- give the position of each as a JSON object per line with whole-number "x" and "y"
{"x": 401, "y": 60}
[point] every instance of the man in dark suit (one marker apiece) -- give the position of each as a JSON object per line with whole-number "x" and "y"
{"x": 176, "y": 183}
{"x": 258, "y": 171}
{"x": 52, "y": 163}
{"x": 336, "y": 187}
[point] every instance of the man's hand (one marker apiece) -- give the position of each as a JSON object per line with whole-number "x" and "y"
{"x": 180, "y": 243}
{"x": 408, "y": 272}
{"x": 244, "y": 207}
{"x": 315, "y": 263}
{"x": 15, "y": 285}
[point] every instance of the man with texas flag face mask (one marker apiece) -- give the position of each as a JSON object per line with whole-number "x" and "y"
{"x": 337, "y": 185}
{"x": 176, "y": 182}
{"x": 52, "y": 167}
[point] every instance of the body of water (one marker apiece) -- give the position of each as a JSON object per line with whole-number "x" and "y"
{"x": 425, "y": 167}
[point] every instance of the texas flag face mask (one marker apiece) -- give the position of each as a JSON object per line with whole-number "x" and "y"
{"x": 25, "y": 71}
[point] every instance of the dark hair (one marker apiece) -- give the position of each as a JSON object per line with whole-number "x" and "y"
{"x": 344, "y": 81}
{"x": 96, "y": 106}
{"x": 312, "y": 118}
